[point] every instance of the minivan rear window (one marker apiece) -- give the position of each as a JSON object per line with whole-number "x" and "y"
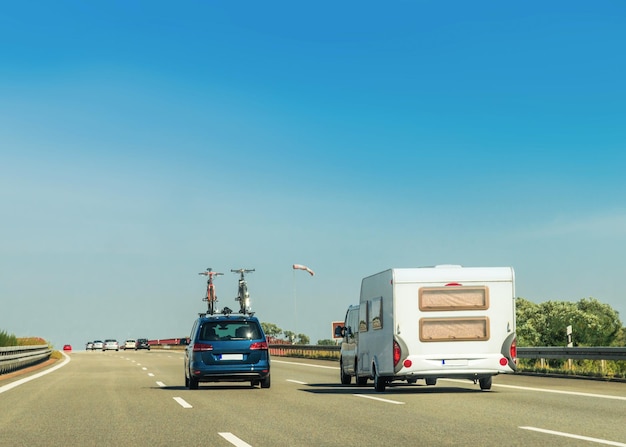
{"x": 229, "y": 330}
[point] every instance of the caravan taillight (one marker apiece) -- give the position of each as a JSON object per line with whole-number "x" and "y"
{"x": 396, "y": 353}
{"x": 513, "y": 349}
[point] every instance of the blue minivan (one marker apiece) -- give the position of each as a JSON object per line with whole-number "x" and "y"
{"x": 227, "y": 348}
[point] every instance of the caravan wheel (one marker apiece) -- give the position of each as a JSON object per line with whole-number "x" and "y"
{"x": 485, "y": 383}
{"x": 345, "y": 378}
{"x": 380, "y": 383}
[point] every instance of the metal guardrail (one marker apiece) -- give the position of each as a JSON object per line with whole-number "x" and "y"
{"x": 586, "y": 353}
{"x": 579, "y": 353}
{"x": 542, "y": 352}
{"x": 16, "y": 357}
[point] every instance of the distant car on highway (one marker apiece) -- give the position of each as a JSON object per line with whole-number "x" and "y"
{"x": 111, "y": 345}
{"x": 129, "y": 344}
{"x": 97, "y": 344}
{"x": 89, "y": 346}
{"x": 142, "y": 343}
{"x": 67, "y": 347}
{"x": 227, "y": 348}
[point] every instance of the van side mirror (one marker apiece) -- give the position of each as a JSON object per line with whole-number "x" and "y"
{"x": 340, "y": 331}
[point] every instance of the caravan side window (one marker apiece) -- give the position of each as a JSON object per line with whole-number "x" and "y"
{"x": 363, "y": 317}
{"x": 377, "y": 313}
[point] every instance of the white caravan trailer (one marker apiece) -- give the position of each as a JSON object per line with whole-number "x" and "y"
{"x": 427, "y": 323}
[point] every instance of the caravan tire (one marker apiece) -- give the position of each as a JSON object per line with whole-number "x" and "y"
{"x": 345, "y": 378}
{"x": 380, "y": 383}
{"x": 485, "y": 383}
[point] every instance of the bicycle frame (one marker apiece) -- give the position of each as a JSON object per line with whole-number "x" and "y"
{"x": 242, "y": 294}
{"x": 211, "y": 297}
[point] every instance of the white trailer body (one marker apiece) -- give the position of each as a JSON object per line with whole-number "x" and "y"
{"x": 436, "y": 322}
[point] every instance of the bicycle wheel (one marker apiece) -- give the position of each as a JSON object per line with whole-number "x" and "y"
{"x": 211, "y": 300}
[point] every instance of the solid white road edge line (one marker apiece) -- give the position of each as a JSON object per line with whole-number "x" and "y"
{"x": 182, "y": 402}
{"x": 35, "y": 376}
{"x": 546, "y": 390}
{"x": 234, "y": 440}
{"x": 569, "y": 435}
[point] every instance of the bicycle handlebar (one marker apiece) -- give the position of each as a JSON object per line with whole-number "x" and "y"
{"x": 242, "y": 270}
{"x": 209, "y": 273}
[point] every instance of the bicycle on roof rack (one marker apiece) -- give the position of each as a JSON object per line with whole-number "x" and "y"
{"x": 211, "y": 297}
{"x": 242, "y": 295}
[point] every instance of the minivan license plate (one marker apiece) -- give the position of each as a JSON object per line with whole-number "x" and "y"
{"x": 231, "y": 357}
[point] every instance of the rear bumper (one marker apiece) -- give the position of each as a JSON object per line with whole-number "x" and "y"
{"x": 229, "y": 373}
{"x": 472, "y": 367}
{"x": 231, "y": 376}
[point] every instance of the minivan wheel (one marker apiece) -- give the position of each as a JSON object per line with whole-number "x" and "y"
{"x": 430, "y": 381}
{"x": 265, "y": 383}
{"x": 192, "y": 383}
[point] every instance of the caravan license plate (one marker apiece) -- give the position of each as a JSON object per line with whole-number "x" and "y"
{"x": 231, "y": 357}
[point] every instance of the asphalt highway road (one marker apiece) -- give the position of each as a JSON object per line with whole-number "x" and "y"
{"x": 138, "y": 398}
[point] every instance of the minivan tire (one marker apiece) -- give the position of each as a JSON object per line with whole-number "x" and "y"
{"x": 192, "y": 383}
{"x": 266, "y": 382}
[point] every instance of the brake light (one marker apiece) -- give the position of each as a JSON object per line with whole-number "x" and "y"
{"x": 259, "y": 345}
{"x": 200, "y": 347}
{"x": 396, "y": 353}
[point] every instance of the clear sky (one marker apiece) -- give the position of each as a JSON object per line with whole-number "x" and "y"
{"x": 144, "y": 141}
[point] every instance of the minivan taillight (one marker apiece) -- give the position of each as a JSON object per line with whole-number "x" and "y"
{"x": 262, "y": 345}
{"x": 396, "y": 353}
{"x": 199, "y": 347}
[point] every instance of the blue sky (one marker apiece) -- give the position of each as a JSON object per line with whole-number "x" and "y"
{"x": 142, "y": 142}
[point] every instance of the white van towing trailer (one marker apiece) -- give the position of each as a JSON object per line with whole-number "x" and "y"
{"x": 428, "y": 323}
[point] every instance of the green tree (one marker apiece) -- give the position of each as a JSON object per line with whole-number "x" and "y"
{"x": 601, "y": 324}
{"x": 530, "y": 323}
{"x": 620, "y": 339}
{"x": 290, "y": 335}
{"x": 303, "y": 339}
{"x": 7, "y": 339}
{"x": 326, "y": 342}
{"x": 271, "y": 330}
{"x": 593, "y": 323}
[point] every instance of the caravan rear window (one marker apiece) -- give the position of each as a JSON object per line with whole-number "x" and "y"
{"x": 453, "y": 298}
{"x": 454, "y": 329}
